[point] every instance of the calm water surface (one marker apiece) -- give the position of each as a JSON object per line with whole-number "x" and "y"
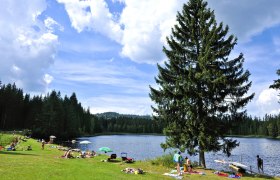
{"x": 142, "y": 147}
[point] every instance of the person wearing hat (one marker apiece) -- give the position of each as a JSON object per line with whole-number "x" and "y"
{"x": 260, "y": 163}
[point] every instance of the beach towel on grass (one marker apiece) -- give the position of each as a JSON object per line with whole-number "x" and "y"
{"x": 196, "y": 172}
{"x": 176, "y": 176}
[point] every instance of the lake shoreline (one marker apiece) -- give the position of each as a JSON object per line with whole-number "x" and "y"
{"x": 159, "y": 134}
{"x": 47, "y": 163}
{"x": 143, "y": 147}
{"x": 253, "y": 136}
{"x": 116, "y": 133}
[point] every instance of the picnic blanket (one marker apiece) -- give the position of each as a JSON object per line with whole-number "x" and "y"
{"x": 227, "y": 175}
{"x": 133, "y": 171}
{"x": 176, "y": 176}
{"x": 173, "y": 173}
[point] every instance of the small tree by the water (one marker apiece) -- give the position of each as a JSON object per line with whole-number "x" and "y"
{"x": 201, "y": 91}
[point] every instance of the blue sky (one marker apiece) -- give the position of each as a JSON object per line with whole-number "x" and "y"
{"x": 106, "y": 50}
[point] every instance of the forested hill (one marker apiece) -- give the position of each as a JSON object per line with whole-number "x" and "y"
{"x": 110, "y": 115}
{"x": 123, "y": 123}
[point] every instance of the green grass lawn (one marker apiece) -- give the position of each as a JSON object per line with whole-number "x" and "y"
{"x": 47, "y": 164}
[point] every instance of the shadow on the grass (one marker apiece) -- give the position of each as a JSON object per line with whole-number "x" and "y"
{"x": 259, "y": 176}
{"x": 16, "y": 153}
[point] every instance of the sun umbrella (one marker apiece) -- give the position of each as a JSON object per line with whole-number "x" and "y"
{"x": 52, "y": 136}
{"x": 85, "y": 142}
{"x": 105, "y": 149}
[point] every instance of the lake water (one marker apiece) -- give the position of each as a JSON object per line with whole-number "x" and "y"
{"x": 142, "y": 147}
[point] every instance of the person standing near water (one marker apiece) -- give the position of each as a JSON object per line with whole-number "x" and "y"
{"x": 178, "y": 159}
{"x": 260, "y": 163}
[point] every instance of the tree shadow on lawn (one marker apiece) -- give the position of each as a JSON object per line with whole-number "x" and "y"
{"x": 265, "y": 176}
{"x": 111, "y": 161}
{"x": 16, "y": 153}
{"x": 114, "y": 161}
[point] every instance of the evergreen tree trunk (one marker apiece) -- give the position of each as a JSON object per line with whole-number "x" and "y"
{"x": 202, "y": 159}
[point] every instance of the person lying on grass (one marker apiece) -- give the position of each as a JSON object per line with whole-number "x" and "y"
{"x": 68, "y": 154}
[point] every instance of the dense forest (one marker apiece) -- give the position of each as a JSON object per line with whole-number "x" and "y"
{"x": 266, "y": 126}
{"x": 65, "y": 117}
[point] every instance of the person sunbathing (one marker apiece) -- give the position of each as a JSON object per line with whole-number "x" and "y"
{"x": 12, "y": 147}
{"x": 188, "y": 165}
{"x": 90, "y": 154}
{"x": 93, "y": 153}
{"x": 29, "y": 148}
{"x": 68, "y": 154}
{"x": 82, "y": 154}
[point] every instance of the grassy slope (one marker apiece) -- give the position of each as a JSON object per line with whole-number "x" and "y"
{"x": 47, "y": 164}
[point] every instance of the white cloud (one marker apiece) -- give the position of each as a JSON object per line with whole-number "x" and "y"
{"x": 27, "y": 48}
{"x": 48, "y": 78}
{"x": 92, "y": 15}
{"x": 145, "y": 35}
{"x": 51, "y": 25}
{"x": 267, "y": 96}
{"x": 145, "y": 24}
{"x": 267, "y": 102}
{"x": 78, "y": 15}
{"x": 247, "y": 19}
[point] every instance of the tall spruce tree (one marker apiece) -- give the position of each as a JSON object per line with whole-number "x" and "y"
{"x": 201, "y": 91}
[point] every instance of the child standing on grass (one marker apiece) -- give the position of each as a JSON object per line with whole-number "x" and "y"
{"x": 43, "y": 144}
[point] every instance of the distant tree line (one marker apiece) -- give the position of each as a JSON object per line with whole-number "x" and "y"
{"x": 128, "y": 124}
{"x": 266, "y": 126}
{"x": 63, "y": 117}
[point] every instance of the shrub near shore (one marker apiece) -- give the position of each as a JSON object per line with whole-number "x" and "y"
{"x": 47, "y": 164}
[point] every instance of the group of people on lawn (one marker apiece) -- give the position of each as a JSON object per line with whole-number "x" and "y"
{"x": 188, "y": 167}
{"x": 69, "y": 152}
{"x": 179, "y": 163}
{"x": 82, "y": 154}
